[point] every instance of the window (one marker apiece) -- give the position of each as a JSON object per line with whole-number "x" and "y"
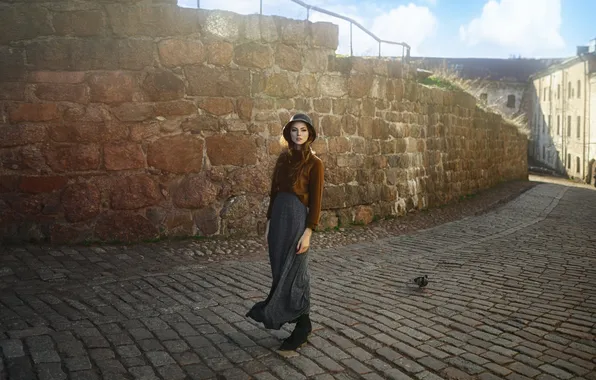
{"x": 577, "y": 165}
{"x": 544, "y": 96}
{"x": 543, "y": 123}
{"x": 550, "y": 94}
{"x": 511, "y": 101}
{"x": 569, "y": 90}
{"x": 558, "y": 91}
{"x": 543, "y": 152}
{"x": 579, "y": 123}
{"x": 568, "y": 161}
{"x": 568, "y": 126}
{"x": 484, "y": 97}
{"x": 549, "y": 124}
{"x": 558, "y": 125}
{"x": 579, "y": 86}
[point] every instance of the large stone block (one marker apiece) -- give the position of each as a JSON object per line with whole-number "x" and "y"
{"x": 23, "y": 134}
{"x": 215, "y": 81}
{"x": 163, "y": 85}
{"x": 175, "y": 108}
{"x": 316, "y": 61}
{"x": 244, "y": 107}
{"x": 325, "y": 35}
{"x": 23, "y": 22}
{"x": 293, "y": 32}
{"x": 111, "y": 87}
{"x": 223, "y": 24}
{"x": 195, "y": 192}
{"x": 220, "y": 53}
{"x": 123, "y": 156}
{"x": 84, "y": 23}
{"x": 87, "y": 132}
{"x": 58, "y": 77}
{"x": 124, "y": 227}
{"x": 231, "y": 150}
{"x": 180, "y": 52}
{"x": 135, "y": 54}
{"x": 307, "y": 86}
{"x": 250, "y": 180}
{"x": 197, "y": 124}
{"x": 359, "y": 85}
{"x": 217, "y": 106}
{"x": 288, "y": 57}
{"x": 41, "y": 184}
{"x": 254, "y": 55}
{"x": 81, "y": 202}
{"x": 176, "y": 154}
{"x": 349, "y": 124}
{"x": 76, "y": 93}
{"x": 134, "y": 111}
{"x": 207, "y": 221}
{"x": 74, "y": 54}
{"x": 12, "y": 91}
{"x": 23, "y": 112}
{"x": 12, "y": 63}
{"x": 129, "y": 193}
{"x": 72, "y": 158}
{"x": 281, "y": 85}
{"x": 152, "y": 20}
{"x": 331, "y": 125}
{"x": 333, "y": 86}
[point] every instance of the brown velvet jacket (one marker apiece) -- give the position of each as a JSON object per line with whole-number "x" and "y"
{"x": 308, "y": 187}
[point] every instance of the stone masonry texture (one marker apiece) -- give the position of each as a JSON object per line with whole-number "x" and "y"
{"x": 133, "y": 120}
{"x": 512, "y": 295}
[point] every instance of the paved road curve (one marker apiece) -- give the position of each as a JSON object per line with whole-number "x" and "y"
{"x": 512, "y": 295}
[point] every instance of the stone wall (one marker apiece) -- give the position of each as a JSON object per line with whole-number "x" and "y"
{"x": 131, "y": 120}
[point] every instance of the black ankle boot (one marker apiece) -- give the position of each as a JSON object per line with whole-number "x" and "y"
{"x": 299, "y": 336}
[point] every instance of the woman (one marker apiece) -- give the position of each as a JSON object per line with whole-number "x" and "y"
{"x": 294, "y": 211}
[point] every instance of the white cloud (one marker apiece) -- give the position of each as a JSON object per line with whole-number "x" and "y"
{"x": 518, "y": 25}
{"x": 430, "y": 2}
{"x": 412, "y": 24}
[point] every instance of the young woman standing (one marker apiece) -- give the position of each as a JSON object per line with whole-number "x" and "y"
{"x": 294, "y": 211}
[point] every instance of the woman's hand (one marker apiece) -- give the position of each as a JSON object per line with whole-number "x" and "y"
{"x": 267, "y": 233}
{"x": 304, "y": 242}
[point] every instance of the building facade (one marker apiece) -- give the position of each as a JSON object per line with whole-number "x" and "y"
{"x": 563, "y": 97}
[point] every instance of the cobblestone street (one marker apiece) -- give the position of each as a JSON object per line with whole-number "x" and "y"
{"x": 512, "y": 295}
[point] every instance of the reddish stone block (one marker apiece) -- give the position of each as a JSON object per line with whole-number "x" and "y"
{"x": 216, "y": 81}
{"x": 254, "y": 55}
{"x": 217, "y": 106}
{"x": 85, "y": 132}
{"x": 124, "y": 227}
{"x": 244, "y": 107}
{"x": 15, "y": 135}
{"x": 162, "y": 85}
{"x": 71, "y": 158}
{"x": 76, "y": 93}
{"x": 111, "y": 87}
{"x": 220, "y": 53}
{"x": 130, "y": 193}
{"x": 176, "y": 52}
{"x": 176, "y": 154}
{"x": 195, "y": 192}
{"x": 134, "y": 111}
{"x": 175, "y": 108}
{"x": 123, "y": 156}
{"x": 231, "y": 150}
{"x": 81, "y": 202}
{"x": 135, "y": 54}
{"x": 45, "y": 184}
{"x": 19, "y": 112}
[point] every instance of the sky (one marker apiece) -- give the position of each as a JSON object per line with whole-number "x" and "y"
{"x": 445, "y": 28}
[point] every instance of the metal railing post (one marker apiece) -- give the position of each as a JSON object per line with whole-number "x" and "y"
{"x": 351, "y": 45}
{"x": 379, "y": 49}
{"x": 261, "y": 7}
{"x": 198, "y": 4}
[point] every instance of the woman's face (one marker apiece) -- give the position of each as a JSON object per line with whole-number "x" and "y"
{"x": 299, "y": 133}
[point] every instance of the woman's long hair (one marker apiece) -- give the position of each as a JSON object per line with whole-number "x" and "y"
{"x": 290, "y": 150}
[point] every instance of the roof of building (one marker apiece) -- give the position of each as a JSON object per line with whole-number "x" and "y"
{"x": 496, "y": 69}
{"x": 589, "y": 57}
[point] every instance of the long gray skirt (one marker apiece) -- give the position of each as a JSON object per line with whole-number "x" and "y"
{"x": 289, "y": 296}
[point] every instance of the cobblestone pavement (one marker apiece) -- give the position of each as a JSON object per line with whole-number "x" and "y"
{"x": 512, "y": 295}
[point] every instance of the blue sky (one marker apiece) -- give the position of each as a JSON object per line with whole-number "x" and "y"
{"x": 447, "y": 28}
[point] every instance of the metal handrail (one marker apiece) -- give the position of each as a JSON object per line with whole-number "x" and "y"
{"x": 405, "y": 53}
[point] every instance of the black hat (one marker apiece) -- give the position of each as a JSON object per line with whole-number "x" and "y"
{"x": 303, "y": 118}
